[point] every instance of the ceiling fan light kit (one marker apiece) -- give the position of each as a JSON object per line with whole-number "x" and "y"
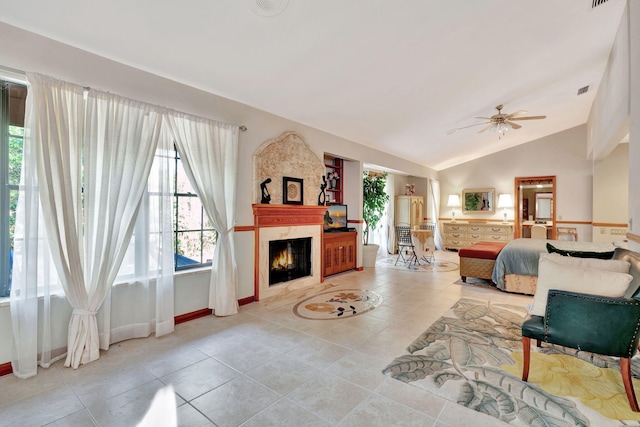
{"x": 500, "y": 123}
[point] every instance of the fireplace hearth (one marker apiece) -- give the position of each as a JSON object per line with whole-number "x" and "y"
{"x": 290, "y": 259}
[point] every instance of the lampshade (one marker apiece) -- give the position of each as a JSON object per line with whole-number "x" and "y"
{"x": 505, "y": 201}
{"x": 454, "y": 201}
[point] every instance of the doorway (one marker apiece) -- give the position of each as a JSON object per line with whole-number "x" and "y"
{"x": 535, "y": 203}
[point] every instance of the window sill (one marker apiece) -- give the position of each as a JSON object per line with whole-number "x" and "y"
{"x": 5, "y": 301}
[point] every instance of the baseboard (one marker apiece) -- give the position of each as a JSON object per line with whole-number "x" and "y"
{"x": 191, "y": 316}
{"x": 247, "y": 300}
{"x": 6, "y": 369}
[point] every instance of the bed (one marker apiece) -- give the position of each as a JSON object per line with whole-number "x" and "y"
{"x": 516, "y": 267}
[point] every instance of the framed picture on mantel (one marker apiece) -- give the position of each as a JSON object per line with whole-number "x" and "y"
{"x": 292, "y": 191}
{"x": 478, "y": 200}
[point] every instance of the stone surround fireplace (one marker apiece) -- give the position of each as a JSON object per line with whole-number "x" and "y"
{"x": 286, "y": 222}
{"x": 286, "y": 156}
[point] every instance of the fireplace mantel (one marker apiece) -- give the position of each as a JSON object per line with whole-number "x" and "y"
{"x": 278, "y": 222}
{"x": 286, "y": 215}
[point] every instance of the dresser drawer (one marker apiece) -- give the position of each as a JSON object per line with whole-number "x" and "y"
{"x": 496, "y": 237}
{"x": 491, "y": 229}
{"x": 475, "y": 229}
{"x": 455, "y": 227}
{"x": 476, "y": 237}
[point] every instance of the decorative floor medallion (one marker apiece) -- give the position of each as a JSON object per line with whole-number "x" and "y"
{"x": 337, "y": 304}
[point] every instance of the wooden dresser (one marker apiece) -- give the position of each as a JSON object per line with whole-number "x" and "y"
{"x": 460, "y": 234}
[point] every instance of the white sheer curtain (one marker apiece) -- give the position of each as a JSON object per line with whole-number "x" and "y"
{"x": 434, "y": 190}
{"x": 390, "y": 221}
{"x": 94, "y": 158}
{"x": 34, "y": 275}
{"x": 144, "y": 304}
{"x": 209, "y": 151}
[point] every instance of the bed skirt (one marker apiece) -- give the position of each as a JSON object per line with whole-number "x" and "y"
{"x": 520, "y": 284}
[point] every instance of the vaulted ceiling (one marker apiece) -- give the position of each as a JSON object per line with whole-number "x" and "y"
{"x": 393, "y": 75}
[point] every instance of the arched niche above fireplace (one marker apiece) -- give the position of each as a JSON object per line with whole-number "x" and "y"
{"x": 288, "y": 155}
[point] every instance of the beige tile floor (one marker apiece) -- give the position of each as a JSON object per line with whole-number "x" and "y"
{"x": 265, "y": 366}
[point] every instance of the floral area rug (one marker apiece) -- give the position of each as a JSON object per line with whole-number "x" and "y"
{"x": 337, "y": 304}
{"x": 473, "y": 356}
{"x": 423, "y": 267}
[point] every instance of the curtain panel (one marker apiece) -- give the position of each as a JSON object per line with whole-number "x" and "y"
{"x": 92, "y": 163}
{"x": 209, "y": 151}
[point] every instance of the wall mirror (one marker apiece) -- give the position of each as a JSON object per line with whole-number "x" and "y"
{"x": 544, "y": 206}
{"x": 478, "y": 200}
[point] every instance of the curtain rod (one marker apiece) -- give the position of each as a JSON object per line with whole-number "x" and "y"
{"x": 13, "y": 74}
{"x": 20, "y": 76}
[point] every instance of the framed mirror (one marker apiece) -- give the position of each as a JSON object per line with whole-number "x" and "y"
{"x": 478, "y": 200}
{"x": 544, "y": 206}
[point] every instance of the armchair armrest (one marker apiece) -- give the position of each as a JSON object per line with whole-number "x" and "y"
{"x": 593, "y": 323}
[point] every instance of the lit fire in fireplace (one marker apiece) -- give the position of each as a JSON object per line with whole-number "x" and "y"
{"x": 282, "y": 261}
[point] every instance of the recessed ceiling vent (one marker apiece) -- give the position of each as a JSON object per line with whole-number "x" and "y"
{"x": 268, "y": 7}
{"x": 596, "y": 3}
{"x": 583, "y": 90}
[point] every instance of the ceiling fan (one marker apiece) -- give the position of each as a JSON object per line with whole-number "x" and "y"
{"x": 500, "y": 122}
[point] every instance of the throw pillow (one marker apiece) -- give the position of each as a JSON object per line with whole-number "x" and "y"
{"x": 616, "y": 265}
{"x": 552, "y": 275}
{"x": 579, "y": 254}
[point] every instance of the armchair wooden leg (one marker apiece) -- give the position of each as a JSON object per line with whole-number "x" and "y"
{"x": 625, "y": 370}
{"x": 526, "y": 349}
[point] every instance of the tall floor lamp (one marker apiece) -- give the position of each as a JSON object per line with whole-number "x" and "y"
{"x": 453, "y": 203}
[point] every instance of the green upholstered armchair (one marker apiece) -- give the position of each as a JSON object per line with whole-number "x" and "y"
{"x": 597, "y": 324}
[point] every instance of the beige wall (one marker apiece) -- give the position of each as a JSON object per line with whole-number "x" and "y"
{"x": 562, "y": 154}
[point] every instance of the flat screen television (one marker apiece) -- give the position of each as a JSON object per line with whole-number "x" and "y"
{"x": 335, "y": 219}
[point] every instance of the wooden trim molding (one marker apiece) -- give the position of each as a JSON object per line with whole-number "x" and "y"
{"x": 633, "y": 237}
{"x": 192, "y": 316}
{"x": 247, "y": 300}
{"x": 6, "y": 369}
{"x": 239, "y": 228}
{"x": 609, "y": 224}
{"x": 355, "y": 221}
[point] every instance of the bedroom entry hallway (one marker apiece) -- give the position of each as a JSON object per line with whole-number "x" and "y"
{"x": 266, "y": 366}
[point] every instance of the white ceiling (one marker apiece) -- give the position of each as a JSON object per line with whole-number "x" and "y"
{"x": 393, "y": 75}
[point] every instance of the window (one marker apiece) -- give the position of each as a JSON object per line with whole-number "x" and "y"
{"x": 12, "y": 102}
{"x": 194, "y": 235}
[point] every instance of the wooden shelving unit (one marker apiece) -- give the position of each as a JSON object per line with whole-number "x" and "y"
{"x": 334, "y": 193}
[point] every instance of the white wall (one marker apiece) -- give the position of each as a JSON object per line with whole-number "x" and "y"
{"x": 634, "y": 130}
{"x": 562, "y": 154}
{"x": 26, "y": 51}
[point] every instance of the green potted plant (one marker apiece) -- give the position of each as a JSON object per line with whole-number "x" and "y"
{"x": 374, "y": 199}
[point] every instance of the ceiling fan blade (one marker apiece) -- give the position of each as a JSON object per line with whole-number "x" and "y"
{"x": 513, "y": 125}
{"x": 484, "y": 118}
{"x": 529, "y": 118}
{"x": 487, "y": 127}
{"x": 451, "y": 131}
{"x": 516, "y": 114}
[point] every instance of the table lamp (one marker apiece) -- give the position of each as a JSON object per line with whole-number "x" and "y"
{"x": 453, "y": 202}
{"x": 506, "y": 202}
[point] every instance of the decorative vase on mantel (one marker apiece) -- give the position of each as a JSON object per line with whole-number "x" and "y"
{"x": 332, "y": 183}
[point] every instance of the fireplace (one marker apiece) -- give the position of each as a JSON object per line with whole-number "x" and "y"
{"x": 287, "y": 223}
{"x": 290, "y": 259}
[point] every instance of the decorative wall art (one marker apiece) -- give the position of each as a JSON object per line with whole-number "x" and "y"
{"x": 292, "y": 191}
{"x": 478, "y": 200}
